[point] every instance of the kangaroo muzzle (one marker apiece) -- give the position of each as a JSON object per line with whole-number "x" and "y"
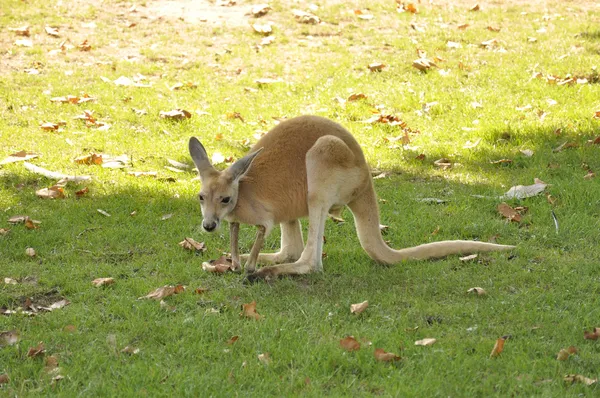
{"x": 209, "y": 226}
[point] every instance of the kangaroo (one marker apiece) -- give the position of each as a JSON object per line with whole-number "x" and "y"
{"x": 305, "y": 166}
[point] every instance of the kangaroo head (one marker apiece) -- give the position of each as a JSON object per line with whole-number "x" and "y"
{"x": 219, "y": 193}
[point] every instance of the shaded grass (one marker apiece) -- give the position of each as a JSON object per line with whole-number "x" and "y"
{"x": 542, "y": 294}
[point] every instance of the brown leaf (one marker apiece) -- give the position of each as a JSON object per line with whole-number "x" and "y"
{"x": 498, "y": 347}
{"x": 81, "y": 192}
{"x": 176, "y": 114}
{"x": 423, "y": 64}
{"x": 590, "y": 174}
{"x": 10, "y": 337}
{"x": 163, "y": 292}
{"x": 59, "y": 304}
{"x": 200, "y": 290}
{"x": 49, "y": 126}
{"x": 381, "y": 355}
{"x": 191, "y": 244}
{"x": 103, "y": 282}
{"x": 349, "y": 343}
{"x": 593, "y": 335}
{"x": 84, "y": 46}
{"x": 30, "y": 251}
{"x": 232, "y": 340}
{"x": 249, "y": 311}
{"x": 475, "y": 8}
{"x": 259, "y": 10}
{"x": 219, "y": 266}
{"x": 426, "y": 342}
{"x": 21, "y": 31}
{"x": 443, "y": 163}
{"x": 493, "y": 28}
{"x": 51, "y": 364}
{"x": 4, "y": 378}
{"x": 38, "y": 351}
{"x": 54, "y": 192}
{"x": 92, "y": 158}
{"x": 31, "y": 224}
{"x": 306, "y": 17}
{"x": 360, "y": 96}
{"x": 70, "y": 328}
{"x": 358, "y": 308}
{"x": 376, "y": 66}
{"x": 19, "y": 157}
{"x": 463, "y": 26}
{"x": 574, "y": 378}
{"x": 508, "y": 212}
{"x": 563, "y": 355}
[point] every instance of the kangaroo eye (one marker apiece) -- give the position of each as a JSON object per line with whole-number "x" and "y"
{"x": 225, "y": 200}
{"x": 201, "y": 197}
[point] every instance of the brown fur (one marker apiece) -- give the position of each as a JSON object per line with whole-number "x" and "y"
{"x": 307, "y": 166}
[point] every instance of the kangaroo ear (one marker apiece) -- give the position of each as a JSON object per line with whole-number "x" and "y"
{"x": 199, "y": 155}
{"x": 241, "y": 166}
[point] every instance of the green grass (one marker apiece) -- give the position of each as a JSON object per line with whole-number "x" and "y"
{"x": 544, "y": 294}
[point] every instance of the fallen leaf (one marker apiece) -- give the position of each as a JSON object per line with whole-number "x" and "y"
{"x": 51, "y": 31}
{"x": 475, "y": 8}
{"x": 104, "y": 213}
{"x": 103, "y": 281}
{"x": 81, "y": 192}
{"x": 376, "y": 66}
{"x": 565, "y": 145}
{"x": 478, "y": 290}
{"x": 31, "y": 224}
{"x": 527, "y": 152}
{"x": 21, "y": 31}
{"x": 130, "y": 350}
{"x": 563, "y": 355}
{"x": 493, "y": 28}
{"x": 49, "y": 126}
{"x": 468, "y": 258}
{"x": 153, "y": 174}
{"x": 498, "y": 347}
{"x": 522, "y": 192}
{"x": 426, "y": 342}
{"x": 349, "y": 343}
{"x": 176, "y": 114}
{"x": 51, "y": 364}
{"x": 306, "y": 17}
{"x": 4, "y": 231}
{"x": 10, "y": 337}
{"x": 59, "y": 304}
{"x": 23, "y": 43}
{"x": 381, "y": 355}
{"x": 358, "y": 308}
{"x": 54, "y": 175}
{"x": 37, "y": 351}
{"x": 4, "y": 378}
{"x": 10, "y": 281}
{"x": 92, "y": 158}
{"x": 502, "y": 161}
{"x": 249, "y": 311}
{"x": 590, "y": 174}
{"x": 30, "y": 251}
{"x": 423, "y": 64}
{"x": 232, "y": 340}
{"x": 593, "y": 335}
{"x": 191, "y": 244}
{"x": 54, "y": 192}
{"x": 360, "y": 96}
{"x": 263, "y": 29}
{"x": 200, "y": 290}
{"x": 70, "y": 328}
{"x": 574, "y": 378}
{"x": 179, "y": 165}
{"x": 267, "y": 80}
{"x": 265, "y": 358}
{"x": 84, "y": 46}
{"x": 508, "y": 212}
{"x": 162, "y": 292}
{"x": 443, "y": 163}
{"x": 259, "y": 10}
{"x": 19, "y": 157}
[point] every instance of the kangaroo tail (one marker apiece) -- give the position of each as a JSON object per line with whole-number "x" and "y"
{"x": 366, "y": 217}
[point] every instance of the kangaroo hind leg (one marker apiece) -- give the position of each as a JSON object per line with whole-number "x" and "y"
{"x": 332, "y": 180}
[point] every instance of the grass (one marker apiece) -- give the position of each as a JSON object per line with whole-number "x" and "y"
{"x": 544, "y": 294}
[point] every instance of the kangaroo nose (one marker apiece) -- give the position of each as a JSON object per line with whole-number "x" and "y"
{"x": 209, "y": 226}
